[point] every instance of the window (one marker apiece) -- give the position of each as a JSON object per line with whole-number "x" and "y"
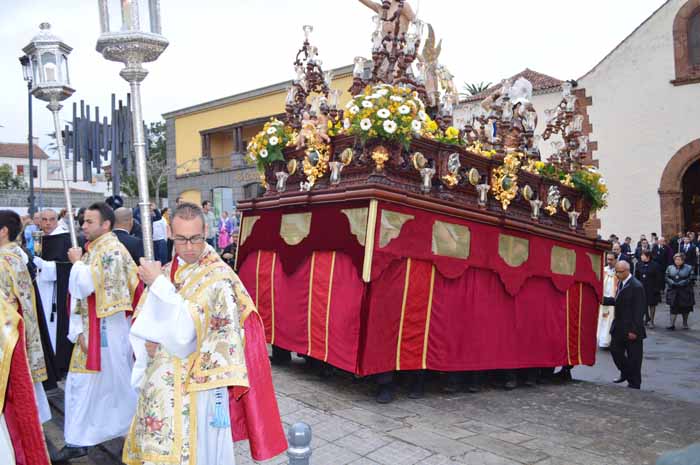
{"x": 20, "y": 170}
{"x": 694, "y": 39}
{"x": 686, "y": 44}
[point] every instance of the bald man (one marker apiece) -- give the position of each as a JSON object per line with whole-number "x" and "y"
{"x": 53, "y": 271}
{"x": 123, "y": 222}
{"x": 627, "y": 331}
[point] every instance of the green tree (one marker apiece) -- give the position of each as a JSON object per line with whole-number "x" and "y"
{"x": 473, "y": 89}
{"x": 156, "y": 166}
{"x": 8, "y": 180}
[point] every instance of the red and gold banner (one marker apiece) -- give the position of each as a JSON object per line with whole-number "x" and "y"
{"x": 414, "y": 327}
{"x": 320, "y": 294}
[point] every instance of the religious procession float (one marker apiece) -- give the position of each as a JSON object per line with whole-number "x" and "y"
{"x": 391, "y": 238}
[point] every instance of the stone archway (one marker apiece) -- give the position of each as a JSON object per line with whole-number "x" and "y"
{"x": 671, "y": 188}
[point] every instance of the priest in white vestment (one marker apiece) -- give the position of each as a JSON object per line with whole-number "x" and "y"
{"x": 100, "y": 401}
{"x": 606, "y": 313}
{"x": 190, "y": 356}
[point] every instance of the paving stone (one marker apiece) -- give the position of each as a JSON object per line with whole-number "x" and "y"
{"x": 364, "y": 461}
{"x": 335, "y": 428}
{"x": 577, "y": 456}
{"x": 364, "y": 441}
{"x": 399, "y": 453}
{"x": 481, "y": 428}
{"x": 554, "y": 435}
{"x": 439, "y": 459}
{"x": 332, "y": 454}
{"x": 481, "y": 457}
{"x": 511, "y": 436}
{"x": 369, "y": 419}
{"x": 506, "y": 449}
{"x": 428, "y": 440}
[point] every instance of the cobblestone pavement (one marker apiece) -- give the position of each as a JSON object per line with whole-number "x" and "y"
{"x": 580, "y": 423}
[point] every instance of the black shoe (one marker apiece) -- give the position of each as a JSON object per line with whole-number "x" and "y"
{"x": 69, "y": 453}
{"x": 451, "y": 388}
{"x": 686, "y": 327}
{"x": 563, "y": 376}
{"x": 385, "y": 394}
{"x": 671, "y": 328}
{"x": 417, "y": 391}
{"x": 619, "y": 380}
{"x": 327, "y": 371}
{"x": 633, "y": 386}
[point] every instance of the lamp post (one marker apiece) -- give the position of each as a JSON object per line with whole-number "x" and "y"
{"x": 27, "y": 74}
{"x": 48, "y": 61}
{"x": 133, "y": 43}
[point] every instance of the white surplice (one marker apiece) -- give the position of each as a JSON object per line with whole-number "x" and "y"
{"x": 164, "y": 319}
{"x": 7, "y": 452}
{"x": 606, "y": 313}
{"x": 99, "y": 406}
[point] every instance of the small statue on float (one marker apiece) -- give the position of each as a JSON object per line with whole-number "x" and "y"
{"x": 308, "y": 129}
{"x": 429, "y": 62}
{"x": 407, "y": 14}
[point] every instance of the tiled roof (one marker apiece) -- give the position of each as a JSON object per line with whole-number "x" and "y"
{"x": 20, "y": 151}
{"x": 540, "y": 84}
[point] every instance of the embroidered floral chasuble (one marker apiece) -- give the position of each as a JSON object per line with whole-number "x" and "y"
{"x": 20, "y": 289}
{"x": 164, "y": 429}
{"x": 114, "y": 277}
{"x": 9, "y": 319}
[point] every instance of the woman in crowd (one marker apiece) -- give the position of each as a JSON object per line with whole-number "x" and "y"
{"x": 225, "y": 227}
{"x": 679, "y": 294}
{"x": 651, "y": 277}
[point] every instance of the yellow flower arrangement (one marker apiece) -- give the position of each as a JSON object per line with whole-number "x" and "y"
{"x": 393, "y": 114}
{"x": 267, "y": 145}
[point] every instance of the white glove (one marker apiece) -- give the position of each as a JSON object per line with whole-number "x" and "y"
{"x": 38, "y": 262}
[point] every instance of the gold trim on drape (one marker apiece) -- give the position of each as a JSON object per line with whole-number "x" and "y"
{"x": 391, "y": 225}
{"x": 451, "y": 240}
{"x": 563, "y": 261}
{"x": 295, "y": 227}
{"x": 357, "y": 217}
{"x": 369, "y": 244}
{"x": 595, "y": 263}
{"x": 247, "y": 228}
{"x": 513, "y": 250}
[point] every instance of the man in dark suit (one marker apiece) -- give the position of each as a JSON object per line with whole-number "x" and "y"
{"x": 627, "y": 329}
{"x": 690, "y": 251}
{"x": 123, "y": 221}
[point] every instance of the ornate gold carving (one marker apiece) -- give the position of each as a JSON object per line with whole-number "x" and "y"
{"x": 563, "y": 261}
{"x": 596, "y": 263}
{"x": 504, "y": 180}
{"x": 450, "y": 180}
{"x": 315, "y": 163}
{"x": 369, "y": 244}
{"x": 346, "y": 156}
{"x": 295, "y": 227}
{"x": 513, "y": 250}
{"x": 528, "y": 193}
{"x": 292, "y": 166}
{"x": 247, "y": 227}
{"x": 474, "y": 176}
{"x": 391, "y": 225}
{"x": 419, "y": 161}
{"x": 380, "y": 155}
{"x": 357, "y": 217}
{"x": 451, "y": 240}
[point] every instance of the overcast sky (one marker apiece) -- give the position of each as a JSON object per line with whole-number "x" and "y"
{"x": 222, "y": 47}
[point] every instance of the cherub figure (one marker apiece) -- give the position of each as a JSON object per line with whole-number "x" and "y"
{"x": 308, "y": 129}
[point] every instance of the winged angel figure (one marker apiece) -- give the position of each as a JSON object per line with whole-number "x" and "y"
{"x": 428, "y": 59}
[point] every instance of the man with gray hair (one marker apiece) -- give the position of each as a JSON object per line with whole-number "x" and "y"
{"x": 123, "y": 222}
{"x": 627, "y": 331}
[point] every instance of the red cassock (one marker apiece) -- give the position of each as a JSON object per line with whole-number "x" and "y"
{"x": 21, "y": 413}
{"x": 253, "y": 410}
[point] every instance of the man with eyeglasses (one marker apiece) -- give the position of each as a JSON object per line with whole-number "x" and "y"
{"x": 100, "y": 401}
{"x": 627, "y": 330}
{"x": 195, "y": 372}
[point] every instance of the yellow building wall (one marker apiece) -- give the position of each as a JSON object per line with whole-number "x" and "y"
{"x": 192, "y": 196}
{"x": 188, "y": 145}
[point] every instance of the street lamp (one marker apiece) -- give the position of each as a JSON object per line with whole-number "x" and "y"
{"x": 27, "y": 74}
{"x": 48, "y": 61}
{"x": 133, "y": 43}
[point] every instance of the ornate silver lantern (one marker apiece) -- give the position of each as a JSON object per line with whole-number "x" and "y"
{"x": 135, "y": 41}
{"x": 48, "y": 61}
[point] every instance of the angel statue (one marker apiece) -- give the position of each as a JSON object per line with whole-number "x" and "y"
{"x": 429, "y": 59}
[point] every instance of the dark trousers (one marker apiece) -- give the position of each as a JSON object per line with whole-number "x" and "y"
{"x": 627, "y": 356}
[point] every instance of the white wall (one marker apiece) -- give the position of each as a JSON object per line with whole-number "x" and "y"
{"x": 640, "y": 120}
{"x": 43, "y": 181}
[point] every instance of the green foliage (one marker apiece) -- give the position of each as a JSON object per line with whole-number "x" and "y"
{"x": 8, "y": 180}
{"x": 156, "y": 165}
{"x": 476, "y": 88}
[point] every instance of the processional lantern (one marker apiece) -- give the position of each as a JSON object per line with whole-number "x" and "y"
{"x": 48, "y": 67}
{"x": 133, "y": 38}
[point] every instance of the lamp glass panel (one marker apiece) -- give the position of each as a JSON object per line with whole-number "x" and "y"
{"x": 49, "y": 66}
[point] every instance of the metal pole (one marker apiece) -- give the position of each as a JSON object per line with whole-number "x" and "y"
{"x": 55, "y": 107}
{"x": 134, "y": 75}
{"x": 32, "y": 206}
